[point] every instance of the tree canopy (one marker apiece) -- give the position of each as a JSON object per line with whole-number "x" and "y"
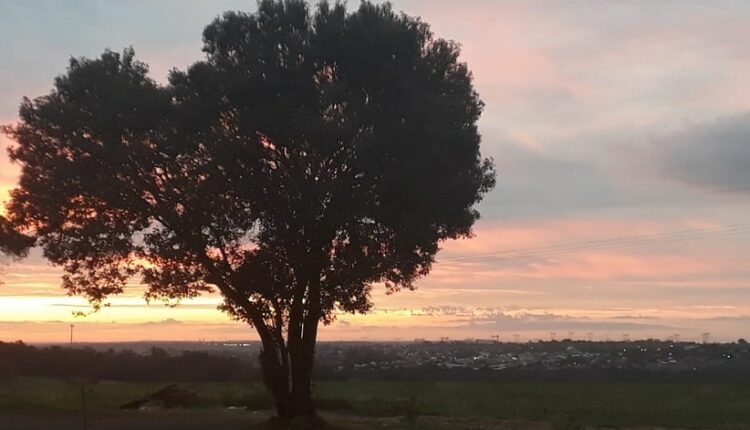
{"x": 12, "y": 242}
{"x": 311, "y": 155}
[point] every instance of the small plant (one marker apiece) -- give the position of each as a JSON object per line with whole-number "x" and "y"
{"x": 411, "y": 411}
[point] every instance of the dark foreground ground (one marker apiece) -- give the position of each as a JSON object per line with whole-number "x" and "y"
{"x": 244, "y": 420}
{"x": 142, "y": 420}
{"x": 41, "y": 404}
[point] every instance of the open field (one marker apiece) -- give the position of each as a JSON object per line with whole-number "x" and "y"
{"x": 30, "y": 403}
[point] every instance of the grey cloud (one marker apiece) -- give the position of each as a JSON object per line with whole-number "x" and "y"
{"x": 446, "y": 310}
{"x": 545, "y": 322}
{"x": 714, "y": 156}
{"x": 26, "y": 322}
{"x": 500, "y": 319}
{"x": 37, "y": 38}
{"x": 730, "y": 318}
{"x": 588, "y": 175}
{"x": 633, "y": 317}
{"x": 139, "y": 306}
{"x": 39, "y": 293}
{"x": 535, "y": 182}
{"x": 168, "y": 321}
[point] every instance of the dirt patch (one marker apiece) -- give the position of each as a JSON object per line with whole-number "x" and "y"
{"x": 172, "y": 396}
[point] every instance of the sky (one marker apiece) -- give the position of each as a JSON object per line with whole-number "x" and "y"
{"x": 621, "y": 134}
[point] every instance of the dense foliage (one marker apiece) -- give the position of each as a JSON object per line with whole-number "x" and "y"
{"x": 18, "y": 359}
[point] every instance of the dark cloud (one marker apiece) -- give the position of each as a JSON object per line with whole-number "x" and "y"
{"x": 543, "y": 181}
{"x": 714, "y": 156}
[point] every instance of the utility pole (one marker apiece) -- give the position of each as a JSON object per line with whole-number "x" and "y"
{"x": 71, "y": 335}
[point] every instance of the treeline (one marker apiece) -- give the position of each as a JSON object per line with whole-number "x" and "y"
{"x": 345, "y": 361}
{"x": 18, "y": 359}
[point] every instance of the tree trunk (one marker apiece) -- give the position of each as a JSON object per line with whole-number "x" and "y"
{"x": 276, "y": 378}
{"x": 287, "y": 365}
{"x": 288, "y": 376}
{"x": 304, "y": 356}
{"x": 301, "y": 381}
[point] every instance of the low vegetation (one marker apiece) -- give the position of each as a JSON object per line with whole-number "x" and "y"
{"x": 413, "y": 404}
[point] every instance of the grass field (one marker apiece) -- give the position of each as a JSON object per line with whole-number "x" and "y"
{"x": 475, "y": 405}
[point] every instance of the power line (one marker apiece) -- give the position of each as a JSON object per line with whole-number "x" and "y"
{"x": 607, "y": 243}
{"x": 571, "y": 247}
{"x": 727, "y": 189}
{"x": 604, "y": 244}
{"x": 582, "y": 243}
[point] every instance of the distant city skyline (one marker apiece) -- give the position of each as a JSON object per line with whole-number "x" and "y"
{"x": 621, "y": 133}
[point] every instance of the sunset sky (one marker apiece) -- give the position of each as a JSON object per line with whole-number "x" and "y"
{"x": 621, "y": 133}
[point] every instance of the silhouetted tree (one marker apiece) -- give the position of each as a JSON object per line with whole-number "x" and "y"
{"x": 308, "y": 157}
{"x": 13, "y": 243}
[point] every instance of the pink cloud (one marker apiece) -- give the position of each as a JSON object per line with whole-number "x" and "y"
{"x": 593, "y": 249}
